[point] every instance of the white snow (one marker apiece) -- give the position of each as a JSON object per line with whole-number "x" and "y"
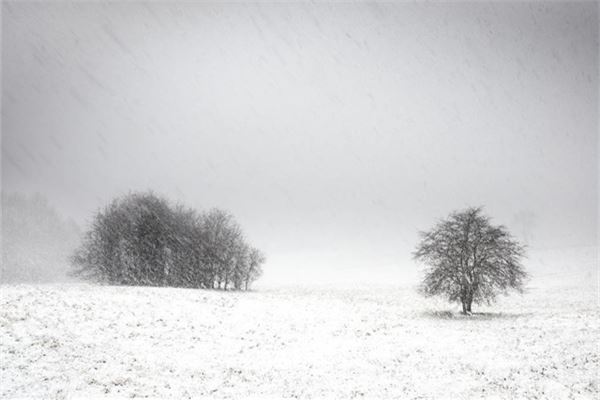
{"x": 85, "y": 341}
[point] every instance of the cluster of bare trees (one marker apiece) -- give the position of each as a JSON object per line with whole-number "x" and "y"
{"x": 141, "y": 239}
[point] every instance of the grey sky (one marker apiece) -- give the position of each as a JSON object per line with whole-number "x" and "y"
{"x": 334, "y": 132}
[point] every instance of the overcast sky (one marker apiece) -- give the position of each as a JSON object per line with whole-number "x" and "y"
{"x": 333, "y": 132}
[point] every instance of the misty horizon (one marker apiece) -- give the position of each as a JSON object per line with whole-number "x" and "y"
{"x": 333, "y": 133}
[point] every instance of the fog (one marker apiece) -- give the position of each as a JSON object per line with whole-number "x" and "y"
{"x": 333, "y": 132}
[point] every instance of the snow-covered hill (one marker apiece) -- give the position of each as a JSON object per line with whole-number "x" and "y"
{"x": 87, "y": 341}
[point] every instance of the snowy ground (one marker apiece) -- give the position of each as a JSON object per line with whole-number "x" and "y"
{"x": 105, "y": 342}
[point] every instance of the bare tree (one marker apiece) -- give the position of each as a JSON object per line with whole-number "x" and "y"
{"x": 223, "y": 237}
{"x": 127, "y": 242}
{"x": 470, "y": 260}
{"x": 255, "y": 260}
{"x": 241, "y": 265}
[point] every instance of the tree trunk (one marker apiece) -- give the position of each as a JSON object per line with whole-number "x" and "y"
{"x": 466, "y": 305}
{"x": 466, "y": 298}
{"x": 469, "y": 300}
{"x": 466, "y": 302}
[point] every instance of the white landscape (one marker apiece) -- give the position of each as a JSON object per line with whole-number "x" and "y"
{"x": 88, "y": 341}
{"x": 299, "y": 199}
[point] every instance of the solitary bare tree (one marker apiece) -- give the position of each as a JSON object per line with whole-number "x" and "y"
{"x": 470, "y": 260}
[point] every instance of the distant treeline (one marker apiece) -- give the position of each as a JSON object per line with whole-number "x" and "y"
{"x": 36, "y": 240}
{"x": 142, "y": 239}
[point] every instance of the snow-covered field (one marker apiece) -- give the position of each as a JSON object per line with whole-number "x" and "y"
{"x": 83, "y": 341}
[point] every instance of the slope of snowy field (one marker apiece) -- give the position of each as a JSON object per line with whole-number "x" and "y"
{"x": 84, "y": 341}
